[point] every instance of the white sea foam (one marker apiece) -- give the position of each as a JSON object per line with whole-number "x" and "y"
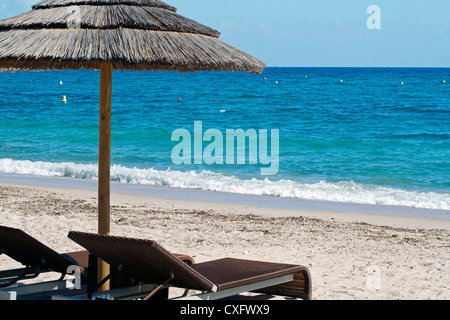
{"x": 345, "y": 191}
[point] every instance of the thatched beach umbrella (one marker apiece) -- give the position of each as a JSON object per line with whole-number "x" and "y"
{"x": 109, "y": 35}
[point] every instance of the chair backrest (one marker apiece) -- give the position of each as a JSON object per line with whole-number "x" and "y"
{"x": 30, "y": 252}
{"x": 143, "y": 260}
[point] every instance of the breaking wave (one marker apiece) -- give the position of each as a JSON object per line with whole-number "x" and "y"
{"x": 344, "y": 191}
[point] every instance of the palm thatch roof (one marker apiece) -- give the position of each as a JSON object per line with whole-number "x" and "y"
{"x": 130, "y": 34}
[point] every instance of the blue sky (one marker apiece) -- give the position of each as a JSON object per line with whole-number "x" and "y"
{"x": 306, "y": 33}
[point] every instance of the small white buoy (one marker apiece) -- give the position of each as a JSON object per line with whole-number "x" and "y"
{"x": 223, "y": 111}
{"x": 60, "y": 82}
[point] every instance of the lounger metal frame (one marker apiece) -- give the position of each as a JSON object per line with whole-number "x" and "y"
{"x": 18, "y": 291}
{"x": 141, "y": 291}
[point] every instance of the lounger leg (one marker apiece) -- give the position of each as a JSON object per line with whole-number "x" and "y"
{"x": 94, "y": 289}
{"x": 160, "y": 287}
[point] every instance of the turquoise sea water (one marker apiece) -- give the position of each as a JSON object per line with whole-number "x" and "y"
{"x": 368, "y": 139}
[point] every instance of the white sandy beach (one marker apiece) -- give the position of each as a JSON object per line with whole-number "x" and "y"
{"x": 412, "y": 254}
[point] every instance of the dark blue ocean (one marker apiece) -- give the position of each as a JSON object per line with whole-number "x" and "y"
{"x": 354, "y": 135}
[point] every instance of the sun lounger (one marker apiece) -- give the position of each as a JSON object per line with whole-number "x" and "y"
{"x": 155, "y": 268}
{"x": 37, "y": 259}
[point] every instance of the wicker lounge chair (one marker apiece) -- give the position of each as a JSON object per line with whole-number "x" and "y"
{"x": 155, "y": 268}
{"x": 37, "y": 259}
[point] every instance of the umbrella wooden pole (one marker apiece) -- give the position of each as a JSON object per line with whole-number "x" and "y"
{"x": 104, "y": 162}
